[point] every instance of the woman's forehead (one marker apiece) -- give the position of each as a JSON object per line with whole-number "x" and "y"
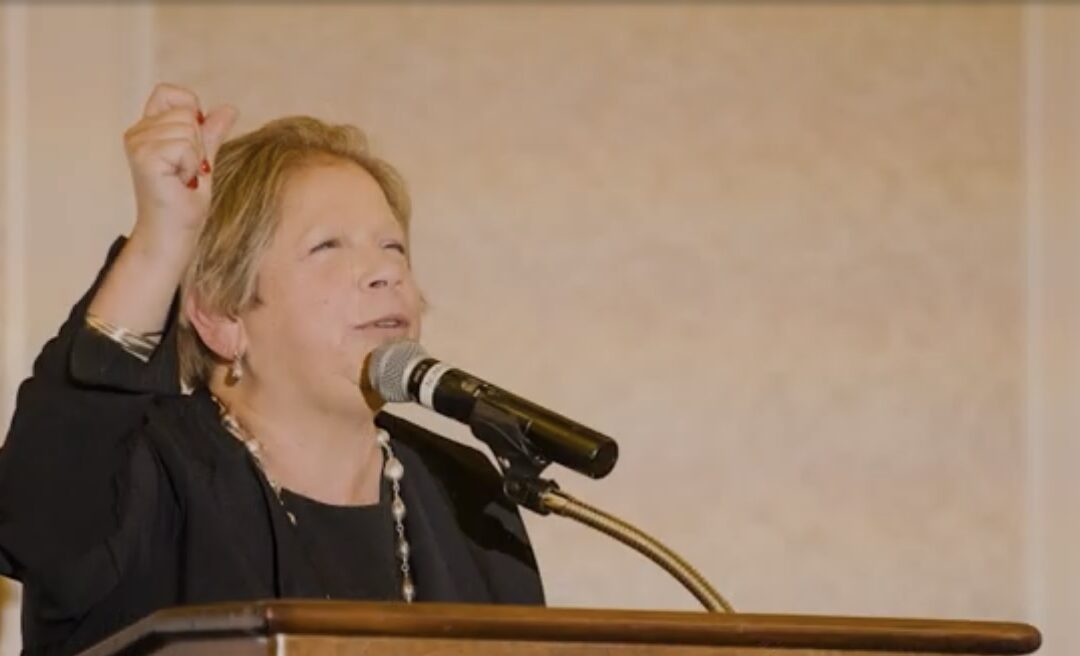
{"x": 334, "y": 191}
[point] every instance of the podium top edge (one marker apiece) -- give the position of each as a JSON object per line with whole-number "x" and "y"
{"x": 529, "y": 623}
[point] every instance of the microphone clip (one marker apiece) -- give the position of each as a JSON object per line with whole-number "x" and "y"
{"x": 520, "y": 463}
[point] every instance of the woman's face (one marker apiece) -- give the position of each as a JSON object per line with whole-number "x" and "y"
{"x": 334, "y": 284}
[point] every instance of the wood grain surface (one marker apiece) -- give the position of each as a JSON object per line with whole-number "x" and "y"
{"x": 337, "y": 627}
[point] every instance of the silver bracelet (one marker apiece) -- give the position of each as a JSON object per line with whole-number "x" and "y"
{"x": 140, "y": 345}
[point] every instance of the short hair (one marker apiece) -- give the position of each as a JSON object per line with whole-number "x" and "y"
{"x": 249, "y": 177}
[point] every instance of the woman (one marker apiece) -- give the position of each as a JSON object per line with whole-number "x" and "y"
{"x": 268, "y": 473}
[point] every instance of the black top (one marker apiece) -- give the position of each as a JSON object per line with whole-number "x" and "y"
{"x": 119, "y": 496}
{"x": 352, "y": 548}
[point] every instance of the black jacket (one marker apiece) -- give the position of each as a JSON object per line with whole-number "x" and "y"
{"x": 120, "y": 496}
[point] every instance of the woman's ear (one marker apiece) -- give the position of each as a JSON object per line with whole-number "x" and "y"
{"x": 222, "y": 334}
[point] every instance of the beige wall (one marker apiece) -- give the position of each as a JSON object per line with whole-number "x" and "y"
{"x": 8, "y": 368}
{"x": 1053, "y": 228}
{"x": 799, "y": 259}
{"x": 5, "y": 195}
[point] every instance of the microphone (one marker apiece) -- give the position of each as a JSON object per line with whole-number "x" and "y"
{"x": 402, "y": 371}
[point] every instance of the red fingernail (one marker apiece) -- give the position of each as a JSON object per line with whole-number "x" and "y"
{"x": 200, "y": 117}
{"x": 193, "y": 183}
{"x": 205, "y": 166}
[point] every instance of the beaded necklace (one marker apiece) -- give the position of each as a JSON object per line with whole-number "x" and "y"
{"x": 393, "y": 471}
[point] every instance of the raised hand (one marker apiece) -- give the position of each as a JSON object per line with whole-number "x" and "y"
{"x": 170, "y": 151}
{"x": 171, "y": 154}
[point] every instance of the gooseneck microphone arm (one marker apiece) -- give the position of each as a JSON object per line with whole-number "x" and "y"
{"x": 565, "y": 505}
{"x": 522, "y": 484}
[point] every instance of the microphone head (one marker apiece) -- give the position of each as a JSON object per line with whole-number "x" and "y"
{"x": 388, "y": 370}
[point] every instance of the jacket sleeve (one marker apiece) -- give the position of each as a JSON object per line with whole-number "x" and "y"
{"x": 78, "y": 490}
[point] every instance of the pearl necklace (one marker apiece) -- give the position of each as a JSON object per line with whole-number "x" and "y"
{"x": 393, "y": 471}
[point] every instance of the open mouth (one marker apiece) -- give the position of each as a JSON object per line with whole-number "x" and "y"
{"x": 394, "y": 322}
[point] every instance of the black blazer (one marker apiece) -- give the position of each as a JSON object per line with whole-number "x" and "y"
{"x": 119, "y": 495}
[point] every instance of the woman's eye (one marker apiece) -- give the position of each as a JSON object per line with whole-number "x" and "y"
{"x": 397, "y": 246}
{"x": 326, "y": 244}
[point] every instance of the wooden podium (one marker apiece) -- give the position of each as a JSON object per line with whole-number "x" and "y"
{"x": 374, "y": 629}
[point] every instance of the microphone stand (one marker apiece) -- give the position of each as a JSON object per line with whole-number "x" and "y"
{"x": 521, "y": 465}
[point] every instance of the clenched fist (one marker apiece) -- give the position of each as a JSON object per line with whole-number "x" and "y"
{"x": 171, "y": 154}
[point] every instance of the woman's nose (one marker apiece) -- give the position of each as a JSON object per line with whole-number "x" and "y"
{"x": 385, "y": 271}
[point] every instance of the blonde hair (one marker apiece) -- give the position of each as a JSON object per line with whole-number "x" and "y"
{"x": 250, "y": 174}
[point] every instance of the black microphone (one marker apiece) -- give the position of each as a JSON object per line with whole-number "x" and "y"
{"x": 402, "y": 371}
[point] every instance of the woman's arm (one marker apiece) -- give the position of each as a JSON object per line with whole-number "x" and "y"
{"x": 170, "y": 152}
{"x": 69, "y": 465}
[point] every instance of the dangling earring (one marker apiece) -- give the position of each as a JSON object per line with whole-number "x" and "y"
{"x": 236, "y": 370}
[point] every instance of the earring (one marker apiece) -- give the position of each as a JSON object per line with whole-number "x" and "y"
{"x": 236, "y": 370}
